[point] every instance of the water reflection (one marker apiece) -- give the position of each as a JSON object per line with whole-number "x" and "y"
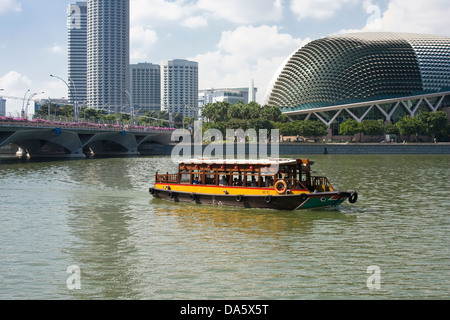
{"x": 98, "y": 214}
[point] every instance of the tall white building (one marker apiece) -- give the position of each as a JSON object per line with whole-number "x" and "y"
{"x": 179, "y": 87}
{"x": 145, "y": 80}
{"x": 108, "y": 54}
{"x": 77, "y": 51}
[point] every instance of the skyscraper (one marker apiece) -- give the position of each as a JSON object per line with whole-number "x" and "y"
{"x": 77, "y": 51}
{"x": 108, "y": 37}
{"x": 146, "y": 87}
{"x": 179, "y": 87}
{"x": 2, "y": 107}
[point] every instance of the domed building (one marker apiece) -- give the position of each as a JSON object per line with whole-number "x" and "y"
{"x": 364, "y": 76}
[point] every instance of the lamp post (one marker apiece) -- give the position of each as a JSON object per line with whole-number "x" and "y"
{"x": 23, "y": 103}
{"x": 75, "y": 107}
{"x": 131, "y": 106}
{"x": 28, "y": 102}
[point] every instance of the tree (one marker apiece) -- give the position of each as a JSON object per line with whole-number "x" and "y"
{"x": 350, "y": 127}
{"x": 217, "y": 111}
{"x": 434, "y": 122}
{"x": 270, "y": 113}
{"x": 313, "y": 129}
{"x": 372, "y": 127}
{"x": 409, "y": 125}
{"x": 291, "y": 128}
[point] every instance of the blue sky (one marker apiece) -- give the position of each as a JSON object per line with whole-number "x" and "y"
{"x": 234, "y": 41}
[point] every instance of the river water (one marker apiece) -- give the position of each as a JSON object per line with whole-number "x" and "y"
{"x": 96, "y": 216}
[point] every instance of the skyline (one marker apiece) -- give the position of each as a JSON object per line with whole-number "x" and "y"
{"x": 232, "y": 41}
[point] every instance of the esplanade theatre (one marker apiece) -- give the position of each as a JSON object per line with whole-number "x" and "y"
{"x": 364, "y": 76}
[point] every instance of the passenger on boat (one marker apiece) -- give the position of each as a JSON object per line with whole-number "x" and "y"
{"x": 196, "y": 181}
{"x": 223, "y": 181}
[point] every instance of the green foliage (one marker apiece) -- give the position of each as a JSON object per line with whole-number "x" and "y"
{"x": 372, "y": 127}
{"x": 350, "y": 127}
{"x": 434, "y": 123}
{"x": 409, "y": 125}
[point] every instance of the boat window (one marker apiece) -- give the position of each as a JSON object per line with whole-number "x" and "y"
{"x": 185, "y": 178}
{"x": 267, "y": 181}
{"x": 210, "y": 178}
{"x": 237, "y": 179}
{"x": 252, "y": 179}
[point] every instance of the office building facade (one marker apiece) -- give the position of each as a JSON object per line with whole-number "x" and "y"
{"x": 2, "y": 107}
{"x": 231, "y": 95}
{"x": 179, "y": 87}
{"x": 108, "y": 29}
{"x": 145, "y": 80}
{"x": 77, "y": 52}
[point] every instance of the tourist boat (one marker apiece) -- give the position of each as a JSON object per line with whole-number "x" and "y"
{"x": 283, "y": 184}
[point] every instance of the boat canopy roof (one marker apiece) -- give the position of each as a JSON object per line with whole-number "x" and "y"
{"x": 264, "y": 162}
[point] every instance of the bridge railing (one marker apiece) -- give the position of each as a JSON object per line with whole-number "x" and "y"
{"x": 41, "y": 123}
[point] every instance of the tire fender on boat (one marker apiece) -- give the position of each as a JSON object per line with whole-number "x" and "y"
{"x": 277, "y": 184}
{"x": 353, "y": 197}
{"x": 151, "y": 190}
{"x": 238, "y": 198}
{"x": 192, "y": 197}
{"x": 303, "y": 197}
{"x": 171, "y": 195}
{"x": 268, "y": 199}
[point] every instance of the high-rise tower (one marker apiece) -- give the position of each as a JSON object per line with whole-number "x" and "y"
{"x": 179, "y": 87}
{"x": 145, "y": 81}
{"x": 108, "y": 54}
{"x": 77, "y": 49}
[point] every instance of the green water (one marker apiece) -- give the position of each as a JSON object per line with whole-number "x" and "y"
{"x": 97, "y": 215}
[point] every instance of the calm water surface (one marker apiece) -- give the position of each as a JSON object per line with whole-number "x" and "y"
{"x": 98, "y": 215}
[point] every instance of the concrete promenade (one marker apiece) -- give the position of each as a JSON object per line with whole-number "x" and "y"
{"x": 302, "y": 149}
{"x": 365, "y": 148}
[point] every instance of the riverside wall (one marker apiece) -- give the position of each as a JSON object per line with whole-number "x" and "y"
{"x": 349, "y": 148}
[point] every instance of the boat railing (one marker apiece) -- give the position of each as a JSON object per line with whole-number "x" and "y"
{"x": 166, "y": 178}
{"x": 293, "y": 183}
{"x": 320, "y": 184}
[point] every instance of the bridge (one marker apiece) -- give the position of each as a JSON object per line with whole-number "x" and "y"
{"x": 44, "y": 139}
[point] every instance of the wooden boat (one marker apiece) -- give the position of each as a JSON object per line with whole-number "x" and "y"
{"x": 283, "y": 184}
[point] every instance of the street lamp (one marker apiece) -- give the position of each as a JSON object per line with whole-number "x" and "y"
{"x": 23, "y": 103}
{"x": 75, "y": 107}
{"x": 28, "y": 102}
{"x": 131, "y": 106}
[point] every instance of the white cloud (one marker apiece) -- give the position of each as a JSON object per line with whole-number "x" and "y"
{"x": 154, "y": 11}
{"x": 195, "y": 22}
{"x": 142, "y": 41}
{"x": 317, "y": 9}
{"x": 244, "y": 54}
{"x": 56, "y": 48}
{"x": 427, "y": 17}
{"x": 14, "y": 85}
{"x": 10, "y": 5}
{"x": 246, "y": 12}
{"x": 195, "y": 14}
{"x": 13, "y": 80}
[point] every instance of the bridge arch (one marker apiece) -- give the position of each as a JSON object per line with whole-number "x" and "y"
{"x": 46, "y": 142}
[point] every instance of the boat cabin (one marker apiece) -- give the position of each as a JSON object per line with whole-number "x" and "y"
{"x": 296, "y": 174}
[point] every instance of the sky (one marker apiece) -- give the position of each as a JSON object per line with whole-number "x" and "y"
{"x": 234, "y": 41}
